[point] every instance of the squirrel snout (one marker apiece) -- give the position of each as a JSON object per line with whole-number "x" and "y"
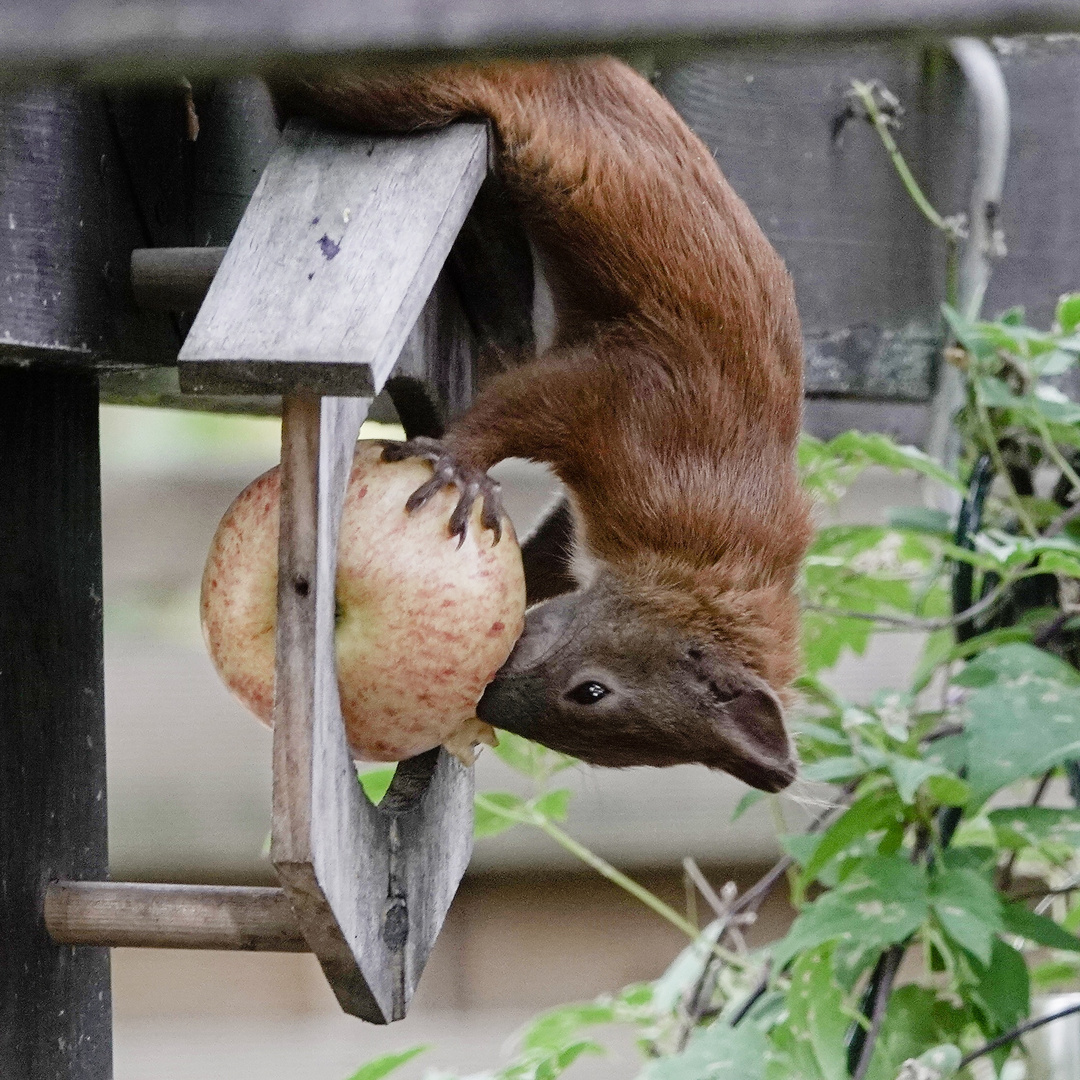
{"x": 514, "y": 703}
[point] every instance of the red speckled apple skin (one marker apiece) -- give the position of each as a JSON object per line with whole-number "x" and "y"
{"x": 422, "y": 626}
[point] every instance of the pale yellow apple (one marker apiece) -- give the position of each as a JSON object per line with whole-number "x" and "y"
{"x": 422, "y": 624}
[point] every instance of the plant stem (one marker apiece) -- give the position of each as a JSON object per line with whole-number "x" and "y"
{"x": 865, "y": 93}
{"x": 533, "y": 817}
{"x": 1060, "y": 523}
{"x": 1012, "y": 1036}
{"x": 639, "y": 892}
{"x": 912, "y": 622}
{"x": 752, "y": 899}
{"x": 1056, "y": 455}
{"x": 994, "y": 450}
{"x": 1036, "y": 798}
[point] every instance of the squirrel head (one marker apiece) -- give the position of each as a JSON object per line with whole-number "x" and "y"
{"x": 598, "y": 675}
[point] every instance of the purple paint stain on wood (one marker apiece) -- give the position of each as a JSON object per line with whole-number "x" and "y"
{"x": 328, "y": 247}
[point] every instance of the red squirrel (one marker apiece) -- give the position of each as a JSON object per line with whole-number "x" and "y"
{"x": 669, "y": 405}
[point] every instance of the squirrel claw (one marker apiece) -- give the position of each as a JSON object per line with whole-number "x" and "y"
{"x": 472, "y": 483}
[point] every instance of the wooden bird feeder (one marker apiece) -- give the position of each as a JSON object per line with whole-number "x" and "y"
{"x": 333, "y": 280}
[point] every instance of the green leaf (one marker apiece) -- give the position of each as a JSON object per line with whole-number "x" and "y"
{"x": 921, "y": 519}
{"x": 1071, "y": 921}
{"x": 531, "y": 759}
{"x": 1003, "y": 985}
{"x": 685, "y": 970}
{"x": 376, "y": 782}
{"x": 1054, "y": 974}
{"x": 825, "y": 637}
{"x": 1006, "y": 635}
{"x": 806, "y": 729}
{"x": 1023, "y": 716}
{"x": 554, "y": 804}
{"x": 386, "y": 1064}
{"x": 935, "y": 652}
{"x": 488, "y": 820}
{"x": 873, "y": 811}
{"x": 940, "y": 1062}
{"x": 968, "y": 908}
{"x": 949, "y": 790}
{"x": 916, "y": 1023}
{"x": 877, "y": 449}
{"x": 834, "y": 769}
{"x": 800, "y": 846}
{"x": 910, "y": 774}
{"x": 817, "y": 1018}
{"x": 1038, "y": 928}
{"x": 1029, "y": 826}
{"x": 718, "y": 1052}
{"x": 556, "y": 1028}
{"x": 1068, "y": 313}
{"x": 882, "y": 901}
{"x": 555, "y": 1064}
{"x": 750, "y": 798}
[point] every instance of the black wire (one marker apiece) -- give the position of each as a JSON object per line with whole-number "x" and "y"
{"x": 968, "y": 522}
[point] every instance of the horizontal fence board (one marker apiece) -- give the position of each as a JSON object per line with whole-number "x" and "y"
{"x": 96, "y": 37}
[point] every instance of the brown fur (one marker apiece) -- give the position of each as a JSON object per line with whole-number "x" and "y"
{"x": 669, "y": 403}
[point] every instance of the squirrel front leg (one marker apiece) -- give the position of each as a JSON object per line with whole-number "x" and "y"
{"x": 527, "y": 412}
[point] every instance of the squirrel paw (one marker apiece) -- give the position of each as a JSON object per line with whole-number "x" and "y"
{"x": 472, "y": 483}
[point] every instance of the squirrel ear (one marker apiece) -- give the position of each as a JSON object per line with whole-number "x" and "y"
{"x": 753, "y": 742}
{"x": 758, "y": 719}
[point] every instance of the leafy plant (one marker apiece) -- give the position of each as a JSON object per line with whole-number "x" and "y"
{"x": 934, "y": 842}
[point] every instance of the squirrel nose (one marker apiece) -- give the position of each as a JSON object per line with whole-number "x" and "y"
{"x": 514, "y": 703}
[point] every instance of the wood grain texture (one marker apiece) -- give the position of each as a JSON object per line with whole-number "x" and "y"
{"x": 370, "y": 886}
{"x": 328, "y": 845}
{"x": 333, "y": 261}
{"x": 54, "y": 1000}
{"x": 125, "y": 914}
{"x": 88, "y": 37}
{"x": 866, "y": 265}
{"x": 431, "y": 837}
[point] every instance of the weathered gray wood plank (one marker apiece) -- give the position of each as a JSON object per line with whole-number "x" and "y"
{"x": 127, "y": 914}
{"x": 370, "y": 887}
{"x": 431, "y": 837}
{"x": 96, "y": 37}
{"x": 329, "y": 847}
{"x": 333, "y": 261}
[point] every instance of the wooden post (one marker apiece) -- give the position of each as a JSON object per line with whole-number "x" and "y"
{"x": 55, "y": 1003}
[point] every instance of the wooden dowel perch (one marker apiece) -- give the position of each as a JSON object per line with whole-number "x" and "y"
{"x": 173, "y": 279}
{"x": 117, "y": 914}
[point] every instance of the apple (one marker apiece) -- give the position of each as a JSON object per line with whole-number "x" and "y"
{"x": 422, "y": 624}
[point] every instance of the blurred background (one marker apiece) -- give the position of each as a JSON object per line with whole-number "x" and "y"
{"x": 189, "y": 800}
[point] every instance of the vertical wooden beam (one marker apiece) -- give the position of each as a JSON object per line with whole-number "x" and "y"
{"x": 329, "y": 843}
{"x": 55, "y": 1003}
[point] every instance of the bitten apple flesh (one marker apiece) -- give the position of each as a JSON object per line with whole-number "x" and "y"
{"x": 422, "y": 624}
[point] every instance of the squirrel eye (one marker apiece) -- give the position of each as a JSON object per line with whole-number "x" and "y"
{"x": 587, "y": 693}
